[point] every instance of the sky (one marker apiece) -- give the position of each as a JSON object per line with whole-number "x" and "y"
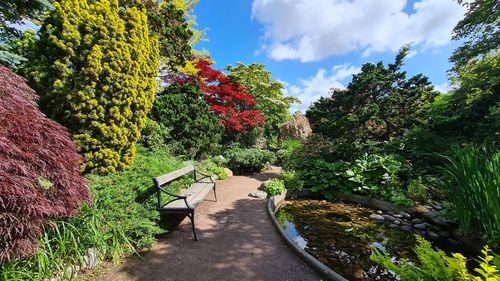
{"x": 314, "y": 45}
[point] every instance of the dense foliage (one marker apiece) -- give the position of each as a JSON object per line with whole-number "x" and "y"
{"x": 472, "y": 184}
{"x": 189, "y": 119}
{"x": 15, "y": 12}
{"x": 122, "y": 220}
{"x": 478, "y": 31}
{"x": 229, "y": 100}
{"x": 39, "y": 174}
{"x": 249, "y": 160}
{"x": 437, "y": 266}
{"x": 268, "y": 94}
{"x": 95, "y": 66}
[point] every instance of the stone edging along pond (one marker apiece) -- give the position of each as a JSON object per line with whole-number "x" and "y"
{"x": 324, "y": 270}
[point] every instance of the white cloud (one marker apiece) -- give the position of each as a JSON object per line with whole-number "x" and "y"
{"x": 311, "y": 89}
{"x": 309, "y": 30}
{"x": 443, "y": 88}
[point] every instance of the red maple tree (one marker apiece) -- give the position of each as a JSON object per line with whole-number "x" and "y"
{"x": 227, "y": 99}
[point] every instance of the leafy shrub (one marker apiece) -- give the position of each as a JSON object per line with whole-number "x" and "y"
{"x": 436, "y": 265}
{"x": 39, "y": 169}
{"x": 274, "y": 186}
{"x": 291, "y": 144}
{"x": 95, "y": 66}
{"x": 213, "y": 168}
{"x": 417, "y": 191}
{"x": 372, "y": 175}
{"x": 292, "y": 181}
{"x": 472, "y": 185}
{"x": 249, "y": 160}
{"x": 153, "y": 135}
{"x": 192, "y": 124}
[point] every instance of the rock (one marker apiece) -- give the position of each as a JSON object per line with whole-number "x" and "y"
{"x": 258, "y": 194}
{"x": 453, "y": 242}
{"x": 432, "y": 235}
{"x": 420, "y": 226}
{"x": 380, "y": 212}
{"x": 444, "y": 234}
{"x": 228, "y": 172}
{"x": 392, "y": 225}
{"x": 298, "y": 128}
{"x": 436, "y": 206}
{"x": 91, "y": 259}
{"x": 397, "y": 222}
{"x": 405, "y": 215}
{"x": 399, "y": 216}
{"x": 377, "y": 218}
{"x": 389, "y": 218}
{"x": 417, "y": 221}
{"x": 405, "y": 227}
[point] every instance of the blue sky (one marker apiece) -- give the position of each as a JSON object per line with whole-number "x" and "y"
{"x": 312, "y": 45}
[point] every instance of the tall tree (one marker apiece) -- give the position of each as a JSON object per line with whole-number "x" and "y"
{"x": 379, "y": 104}
{"x": 479, "y": 30}
{"x": 191, "y": 122}
{"x": 229, "y": 100}
{"x": 95, "y": 67}
{"x": 267, "y": 93}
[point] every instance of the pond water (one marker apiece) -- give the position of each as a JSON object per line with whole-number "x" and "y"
{"x": 341, "y": 236}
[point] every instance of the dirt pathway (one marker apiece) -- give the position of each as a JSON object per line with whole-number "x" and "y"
{"x": 238, "y": 243}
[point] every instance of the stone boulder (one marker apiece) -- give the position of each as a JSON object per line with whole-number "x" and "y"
{"x": 298, "y": 128}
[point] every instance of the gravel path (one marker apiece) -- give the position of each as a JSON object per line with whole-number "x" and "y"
{"x": 238, "y": 243}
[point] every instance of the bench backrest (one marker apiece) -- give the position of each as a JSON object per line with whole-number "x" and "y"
{"x": 161, "y": 180}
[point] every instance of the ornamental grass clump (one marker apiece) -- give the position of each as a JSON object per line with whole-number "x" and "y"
{"x": 473, "y": 189}
{"x": 39, "y": 169}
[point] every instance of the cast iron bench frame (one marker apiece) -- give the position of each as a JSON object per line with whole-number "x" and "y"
{"x": 186, "y": 202}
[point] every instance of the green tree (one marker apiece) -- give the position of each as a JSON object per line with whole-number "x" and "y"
{"x": 267, "y": 93}
{"x": 380, "y": 104}
{"x": 479, "y": 30}
{"x": 15, "y": 12}
{"x": 191, "y": 123}
{"x": 95, "y": 66}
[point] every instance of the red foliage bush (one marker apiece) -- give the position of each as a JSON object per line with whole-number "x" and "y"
{"x": 228, "y": 100}
{"x": 39, "y": 169}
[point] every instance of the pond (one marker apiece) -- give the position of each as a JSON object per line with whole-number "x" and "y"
{"x": 342, "y": 235}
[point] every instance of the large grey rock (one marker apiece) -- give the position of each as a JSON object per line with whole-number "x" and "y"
{"x": 405, "y": 227}
{"x": 298, "y": 128}
{"x": 432, "y": 235}
{"x": 258, "y": 194}
{"x": 377, "y": 218}
{"x": 389, "y": 218}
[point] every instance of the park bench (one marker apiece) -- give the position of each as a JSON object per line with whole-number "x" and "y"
{"x": 187, "y": 201}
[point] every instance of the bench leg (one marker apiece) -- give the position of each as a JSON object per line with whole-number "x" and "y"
{"x": 191, "y": 217}
{"x": 215, "y": 193}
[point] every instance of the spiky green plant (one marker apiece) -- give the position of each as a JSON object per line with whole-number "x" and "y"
{"x": 472, "y": 185}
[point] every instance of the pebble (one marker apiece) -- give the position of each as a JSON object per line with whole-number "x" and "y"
{"x": 417, "y": 221}
{"x": 380, "y": 212}
{"x": 436, "y": 206}
{"x": 432, "y": 235}
{"x": 399, "y": 216}
{"x": 389, "y": 218}
{"x": 453, "y": 242}
{"x": 377, "y": 218}
{"x": 397, "y": 222}
{"x": 405, "y": 227}
{"x": 405, "y": 215}
{"x": 420, "y": 226}
{"x": 392, "y": 225}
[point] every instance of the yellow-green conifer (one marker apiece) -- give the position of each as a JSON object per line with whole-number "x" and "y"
{"x": 95, "y": 67}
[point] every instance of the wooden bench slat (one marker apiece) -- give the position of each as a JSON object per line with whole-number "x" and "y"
{"x": 175, "y": 174}
{"x": 196, "y": 193}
